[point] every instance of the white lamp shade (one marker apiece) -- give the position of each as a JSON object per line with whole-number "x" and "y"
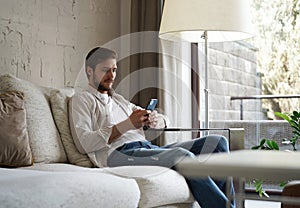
{"x": 224, "y": 20}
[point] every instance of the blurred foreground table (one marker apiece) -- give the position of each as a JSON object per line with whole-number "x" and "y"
{"x": 246, "y": 164}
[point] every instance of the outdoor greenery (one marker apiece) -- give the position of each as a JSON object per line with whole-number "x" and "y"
{"x": 267, "y": 144}
{"x": 277, "y": 26}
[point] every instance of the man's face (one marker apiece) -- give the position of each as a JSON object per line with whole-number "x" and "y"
{"x": 102, "y": 78}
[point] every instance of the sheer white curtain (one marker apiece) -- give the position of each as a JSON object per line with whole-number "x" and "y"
{"x": 175, "y": 85}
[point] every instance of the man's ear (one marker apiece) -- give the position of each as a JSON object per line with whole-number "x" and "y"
{"x": 89, "y": 70}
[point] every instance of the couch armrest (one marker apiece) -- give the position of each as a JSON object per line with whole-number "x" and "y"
{"x": 236, "y": 138}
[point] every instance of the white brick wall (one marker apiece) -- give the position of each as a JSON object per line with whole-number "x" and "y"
{"x": 232, "y": 72}
{"x": 45, "y": 41}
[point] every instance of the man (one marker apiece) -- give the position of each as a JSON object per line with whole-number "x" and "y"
{"x": 109, "y": 129}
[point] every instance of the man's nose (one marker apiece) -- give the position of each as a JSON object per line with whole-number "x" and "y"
{"x": 110, "y": 73}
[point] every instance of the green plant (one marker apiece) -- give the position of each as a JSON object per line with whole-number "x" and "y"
{"x": 294, "y": 121}
{"x": 267, "y": 144}
{"x": 258, "y": 183}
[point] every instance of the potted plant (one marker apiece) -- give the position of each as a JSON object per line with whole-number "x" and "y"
{"x": 266, "y": 144}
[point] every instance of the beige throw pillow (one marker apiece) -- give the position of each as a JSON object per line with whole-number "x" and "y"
{"x": 45, "y": 142}
{"x": 59, "y": 104}
{"x": 14, "y": 142}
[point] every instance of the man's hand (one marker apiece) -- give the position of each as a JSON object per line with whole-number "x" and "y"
{"x": 136, "y": 120}
{"x": 139, "y": 118}
{"x": 156, "y": 120}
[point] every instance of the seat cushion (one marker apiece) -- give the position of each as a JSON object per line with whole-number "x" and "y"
{"x": 159, "y": 186}
{"x": 44, "y": 138}
{"x": 60, "y": 167}
{"x": 21, "y": 188}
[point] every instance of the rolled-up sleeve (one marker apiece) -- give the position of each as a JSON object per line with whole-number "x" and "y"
{"x": 87, "y": 134}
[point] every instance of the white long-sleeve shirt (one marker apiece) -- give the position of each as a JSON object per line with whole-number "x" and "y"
{"x": 92, "y": 116}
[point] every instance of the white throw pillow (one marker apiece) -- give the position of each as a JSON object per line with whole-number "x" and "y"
{"x": 59, "y": 104}
{"x": 44, "y": 138}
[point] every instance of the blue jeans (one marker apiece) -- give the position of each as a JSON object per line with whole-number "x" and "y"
{"x": 208, "y": 193}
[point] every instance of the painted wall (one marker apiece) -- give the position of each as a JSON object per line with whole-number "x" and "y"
{"x": 45, "y": 41}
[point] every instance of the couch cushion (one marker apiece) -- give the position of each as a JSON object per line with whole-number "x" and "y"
{"x": 59, "y": 105}
{"x": 158, "y": 185}
{"x": 14, "y": 142}
{"x": 44, "y": 138}
{"x": 60, "y": 167}
{"x": 35, "y": 189}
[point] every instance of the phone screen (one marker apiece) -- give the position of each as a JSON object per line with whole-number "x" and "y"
{"x": 152, "y": 104}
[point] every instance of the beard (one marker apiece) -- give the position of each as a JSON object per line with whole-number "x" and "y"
{"x": 100, "y": 87}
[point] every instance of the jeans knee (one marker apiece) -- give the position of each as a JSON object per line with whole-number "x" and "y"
{"x": 184, "y": 152}
{"x": 222, "y": 143}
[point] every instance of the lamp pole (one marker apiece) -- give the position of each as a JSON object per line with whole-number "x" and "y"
{"x": 229, "y": 21}
{"x": 204, "y": 36}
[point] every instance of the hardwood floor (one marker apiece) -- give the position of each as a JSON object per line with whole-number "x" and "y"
{"x": 261, "y": 204}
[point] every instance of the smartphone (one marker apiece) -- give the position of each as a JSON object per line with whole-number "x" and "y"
{"x": 152, "y": 104}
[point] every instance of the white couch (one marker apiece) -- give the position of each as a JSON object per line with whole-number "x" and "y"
{"x": 62, "y": 177}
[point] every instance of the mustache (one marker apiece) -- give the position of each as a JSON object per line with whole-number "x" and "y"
{"x": 109, "y": 80}
{"x": 106, "y": 80}
{"x": 100, "y": 86}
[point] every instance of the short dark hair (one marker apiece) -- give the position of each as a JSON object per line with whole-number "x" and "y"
{"x": 97, "y": 55}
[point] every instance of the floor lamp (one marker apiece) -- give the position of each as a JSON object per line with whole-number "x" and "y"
{"x": 205, "y": 20}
